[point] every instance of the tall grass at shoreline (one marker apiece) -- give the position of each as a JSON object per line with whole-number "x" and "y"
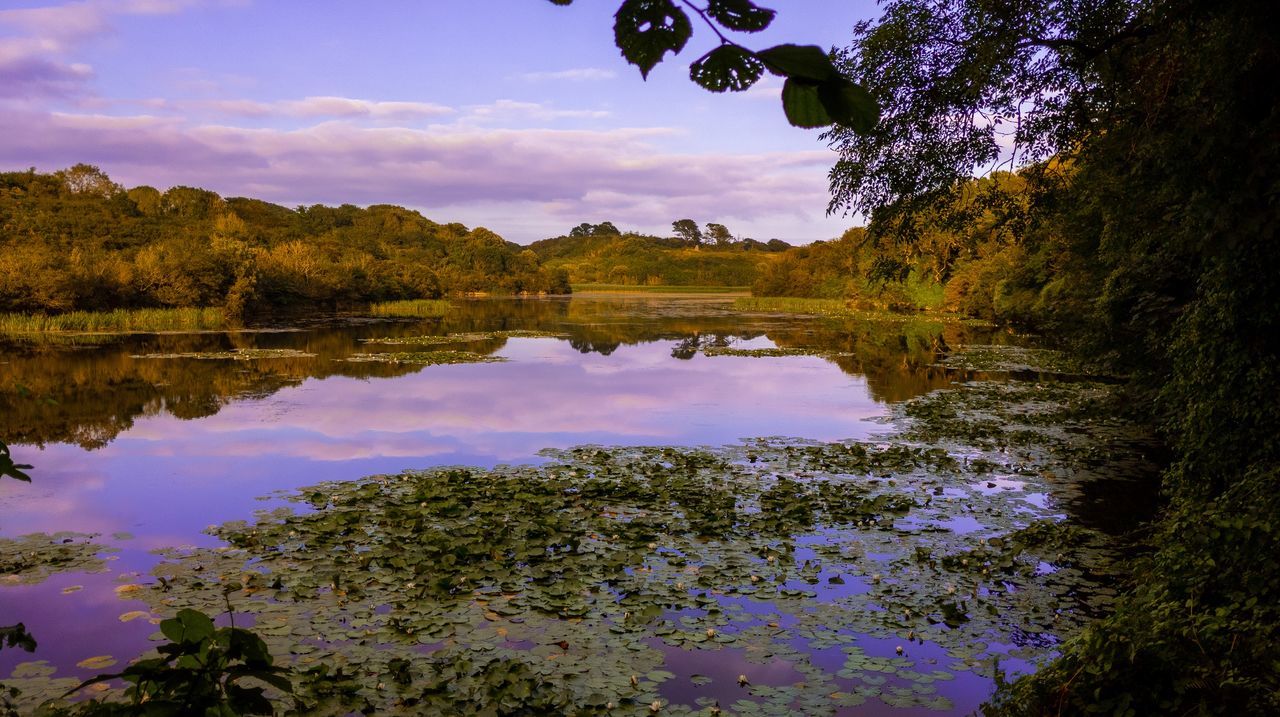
{"x": 796, "y": 305}
{"x": 658, "y": 289}
{"x": 118, "y": 320}
{"x": 411, "y": 308}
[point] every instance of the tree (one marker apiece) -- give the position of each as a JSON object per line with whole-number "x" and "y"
{"x": 719, "y": 234}
{"x": 88, "y": 179}
{"x": 956, "y": 79}
{"x": 587, "y": 229}
{"x": 815, "y": 93}
{"x": 688, "y": 230}
{"x": 1146, "y": 135}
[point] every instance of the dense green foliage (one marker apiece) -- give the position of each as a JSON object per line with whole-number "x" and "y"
{"x": 639, "y": 260}
{"x": 199, "y": 671}
{"x": 74, "y": 240}
{"x": 979, "y": 254}
{"x": 1146, "y": 224}
{"x": 851, "y": 268}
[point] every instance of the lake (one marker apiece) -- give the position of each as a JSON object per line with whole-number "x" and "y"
{"x": 881, "y": 555}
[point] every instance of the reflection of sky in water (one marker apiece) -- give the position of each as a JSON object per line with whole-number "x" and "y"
{"x": 165, "y": 479}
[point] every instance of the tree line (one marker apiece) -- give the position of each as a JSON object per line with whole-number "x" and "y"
{"x": 601, "y": 253}
{"x": 75, "y": 240}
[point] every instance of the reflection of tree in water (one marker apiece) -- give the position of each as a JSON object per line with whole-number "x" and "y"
{"x": 87, "y": 395}
{"x": 898, "y": 359}
{"x": 689, "y": 347}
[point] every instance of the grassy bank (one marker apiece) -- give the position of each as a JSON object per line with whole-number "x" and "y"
{"x": 119, "y": 320}
{"x": 411, "y": 308}
{"x": 662, "y": 289}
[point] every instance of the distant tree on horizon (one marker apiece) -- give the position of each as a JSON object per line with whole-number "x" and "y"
{"x": 687, "y": 229}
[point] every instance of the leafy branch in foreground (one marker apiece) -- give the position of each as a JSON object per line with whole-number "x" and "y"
{"x": 198, "y": 672}
{"x": 12, "y": 636}
{"x": 815, "y": 93}
{"x": 11, "y": 469}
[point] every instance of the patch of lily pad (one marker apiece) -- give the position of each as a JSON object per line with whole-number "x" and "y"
{"x": 423, "y": 358}
{"x": 761, "y": 353}
{"x": 233, "y": 354}
{"x": 469, "y": 337}
{"x": 868, "y": 571}
{"x": 565, "y": 587}
{"x": 1014, "y": 359}
{"x": 31, "y": 559}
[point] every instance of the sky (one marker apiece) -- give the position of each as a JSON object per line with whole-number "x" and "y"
{"x": 516, "y": 115}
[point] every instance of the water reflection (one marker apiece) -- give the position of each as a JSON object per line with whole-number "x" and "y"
{"x": 89, "y": 395}
{"x": 161, "y": 448}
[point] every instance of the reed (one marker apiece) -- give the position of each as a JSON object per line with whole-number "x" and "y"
{"x": 118, "y": 320}
{"x": 411, "y": 308}
{"x": 658, "y": 289}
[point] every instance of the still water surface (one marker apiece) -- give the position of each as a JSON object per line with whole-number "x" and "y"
{"x": 154, "y": 450}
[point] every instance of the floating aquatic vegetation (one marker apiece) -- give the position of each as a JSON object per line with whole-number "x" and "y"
{"x": 233, "y": 354}
{"x": 760, "y": 353}
{"x": 571, "y": 584}
{"x": 424, "y": 358}
{"x": 463, "y": 338}
{"x": 32, "y": 558}
{"x": 823, "y": 574}
{"x": 844, "y": 309}
{"x": 987, "y": 357}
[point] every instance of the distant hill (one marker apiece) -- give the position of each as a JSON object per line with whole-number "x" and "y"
{"x": 76, "y": 240}
{"x": 641, "y": 260}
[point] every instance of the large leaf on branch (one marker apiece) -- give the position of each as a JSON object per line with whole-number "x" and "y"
{"x": 807, "y": 62}
{"x": 849, "y": 104}
{"x": 645, "y": 30}
{"x": 740, "y": 15}
{"x": 727, "y": 67}
{"x": 803, "y": 106}
{"x": 11, "y": 469}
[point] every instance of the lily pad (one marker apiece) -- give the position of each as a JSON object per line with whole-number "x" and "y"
{"x": 423, "y": 358}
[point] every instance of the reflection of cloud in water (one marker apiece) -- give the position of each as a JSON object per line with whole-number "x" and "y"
{"x": 648, "y": 397}
{"x": 722, "y": 666}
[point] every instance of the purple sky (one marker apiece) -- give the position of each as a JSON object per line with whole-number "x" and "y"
{"x": 511, "y": 114}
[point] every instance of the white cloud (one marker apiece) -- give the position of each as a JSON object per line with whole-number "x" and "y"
{"x": 577, "y": 74}
{"x": 515, "y": 110}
